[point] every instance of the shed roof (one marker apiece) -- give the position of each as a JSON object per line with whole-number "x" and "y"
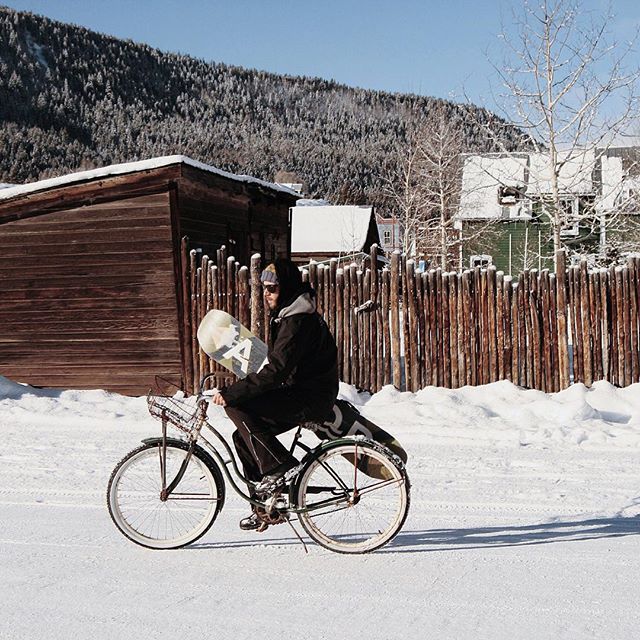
{"x": 330, "y": 229}
{"x": 132, "y": 167}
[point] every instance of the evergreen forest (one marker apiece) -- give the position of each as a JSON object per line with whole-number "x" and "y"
{"x": 73, "y": 99}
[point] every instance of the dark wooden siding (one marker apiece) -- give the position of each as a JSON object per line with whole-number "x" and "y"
{"x": 243, "y": 216}
{"x": 88, "y": 297}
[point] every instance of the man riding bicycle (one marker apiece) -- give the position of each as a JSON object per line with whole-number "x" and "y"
{"x": 298, "y": 384}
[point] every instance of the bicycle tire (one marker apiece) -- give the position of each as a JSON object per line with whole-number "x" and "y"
{"x": 133, "y": 496}
{"x": 353, "y": 521}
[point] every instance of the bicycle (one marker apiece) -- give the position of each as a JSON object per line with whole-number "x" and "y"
{"x": 351, "y": 495}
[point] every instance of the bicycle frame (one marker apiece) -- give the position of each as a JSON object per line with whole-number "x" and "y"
{"x": 198, "y": 437}
{"x": 210, "y": 448}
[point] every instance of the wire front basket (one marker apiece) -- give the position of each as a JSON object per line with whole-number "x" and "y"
{"x": 182, "y": 412}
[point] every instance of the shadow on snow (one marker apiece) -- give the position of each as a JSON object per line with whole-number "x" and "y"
{"x": 513, "y": 536}
{"x": 475, "y": 538}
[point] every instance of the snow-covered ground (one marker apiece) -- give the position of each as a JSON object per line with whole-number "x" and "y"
{"x": 523, "y": 524}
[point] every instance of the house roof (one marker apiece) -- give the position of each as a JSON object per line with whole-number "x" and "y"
{"x": 330, "y": 229}
{"x": 131, "y": 167}
{"x": 484, "y": 173}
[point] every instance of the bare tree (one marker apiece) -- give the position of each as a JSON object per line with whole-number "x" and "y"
{"x": 425, "y": 192}
{"x": 402, "y": 189}
{"x": 572, "y": 90}
{"x": 440, "y": 149}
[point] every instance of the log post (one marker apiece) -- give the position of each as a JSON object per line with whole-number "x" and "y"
{"x": 395, "y": 319}
{"x": 633, "y": 319}
{"x": 561, "y": 319}
{"x": 453, "y": 329}
{"x": 621, "y": 350}
{"x": 467, "y": 327}
{"x": 462, "y": 344}
{"x": 256, "y": 297}
{"x": 491, "y": 323}
{"x": 386, "y": 329}
{"x": 413, "y": 330}
{"x": 507, "y": 297}
{"x": 613, "y": 326}
{"x": 534, "y": 311}
{"x": 244, "y": 300}
{"x": 434, "y": 328}
{"x": 374, "y": 319}
{"x": 595, "y": 316}
{"x": 606, "y": 329}
{"x": 356, "y": 346}
{"x": 347, "y": 355}
{"x": 626, "y": 331}
{"x": 380, "y": 310}
{"x": 339, "y": 330}
{"x": 500, "y": 323}
{"x": 333, "y": 293}
{"x": 515, "y": 334}
{"x": 522, "y": 335}
{"x": 586, "y": 324}
{"x": 556, "y": 365}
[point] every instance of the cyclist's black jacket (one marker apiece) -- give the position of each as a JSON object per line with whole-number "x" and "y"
{"x": 303, "y": 358}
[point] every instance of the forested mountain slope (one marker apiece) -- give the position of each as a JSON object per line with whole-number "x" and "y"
{"x": 71, "y": 98}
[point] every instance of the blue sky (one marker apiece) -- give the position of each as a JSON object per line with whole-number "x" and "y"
{"x": 430, "y": 47}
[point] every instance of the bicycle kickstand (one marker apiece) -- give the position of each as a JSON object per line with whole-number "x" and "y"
{"x": 297, "y": 534}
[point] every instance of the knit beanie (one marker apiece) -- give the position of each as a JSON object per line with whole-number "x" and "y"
{"x": 269, "y": 275}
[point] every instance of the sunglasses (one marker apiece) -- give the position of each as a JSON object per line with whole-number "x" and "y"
{"x": 270, "y": 288}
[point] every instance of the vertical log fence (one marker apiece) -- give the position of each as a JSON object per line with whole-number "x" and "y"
{"x": 397, "y": 326}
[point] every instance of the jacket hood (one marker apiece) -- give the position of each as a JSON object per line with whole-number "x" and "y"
{"x": 289, "y": 280}
{"x": 304, "y": 302}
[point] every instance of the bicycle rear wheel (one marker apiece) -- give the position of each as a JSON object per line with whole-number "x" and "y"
{"x": 135, "y": 504}
{"x": 355, "y": 496}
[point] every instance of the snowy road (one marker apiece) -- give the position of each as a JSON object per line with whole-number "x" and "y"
{"x": 523, "y": 524}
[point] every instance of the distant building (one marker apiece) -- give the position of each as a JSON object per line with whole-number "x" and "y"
{"x": 390, "y": 234}
{"x": 500, "y": 219}
{"x": 322, "y": 232}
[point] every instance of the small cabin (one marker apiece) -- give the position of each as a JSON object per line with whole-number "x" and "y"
{"x": 319, "y": 233}
{"x": 91, "y": 292}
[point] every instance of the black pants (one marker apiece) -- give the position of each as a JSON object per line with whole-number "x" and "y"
{"x": 258, "y": 421}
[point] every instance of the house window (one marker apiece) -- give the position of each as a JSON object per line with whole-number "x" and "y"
{"x": 482, "y": 260}
{"x": 509, "y": 195}
{"x": 570, "y": 208}
{"x": 570, "y": 230}
{"x": 386, "y": 237}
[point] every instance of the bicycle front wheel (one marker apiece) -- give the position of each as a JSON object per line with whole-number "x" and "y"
{"x": 354, "y": 497}
{"x": 138, "y": 509}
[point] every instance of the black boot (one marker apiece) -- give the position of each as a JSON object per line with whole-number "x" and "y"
{"x": 252, "y": 523}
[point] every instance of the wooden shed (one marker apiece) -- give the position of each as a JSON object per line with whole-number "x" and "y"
{"x": 90, "y": 271}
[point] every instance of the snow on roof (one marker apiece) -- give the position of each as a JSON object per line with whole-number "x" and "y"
{"x": 330, "y": 229}
{"x": 6, "y": 185}
{"x": 132, "y": 167}
{"x": 312, "y": 202}
{"x": 484, "y": 174}
{"x": 481, "y": 177}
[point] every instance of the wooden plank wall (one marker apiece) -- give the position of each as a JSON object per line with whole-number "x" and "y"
{"x": 88, "y": 297}
{"x": 396, "y": 326}
{"x": 215, "y": 211}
